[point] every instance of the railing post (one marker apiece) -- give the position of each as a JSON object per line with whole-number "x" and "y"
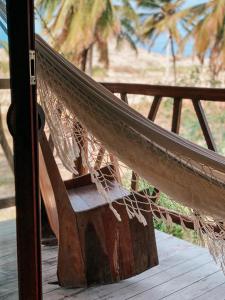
{"x": 123, "y": 97}
{"x": 4, "y": 84}
{"x": 20, "y": 19}
{"x": 154, "y": 108}
{"x": 204, "y": 124}
{"x": 177, "y": 107}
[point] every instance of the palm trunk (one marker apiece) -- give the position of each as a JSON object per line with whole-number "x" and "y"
{"x": 83, "y": 141}
{"x": 84, "y": 57}
{"x": 167, "y": 73}
{"x": 174, "y": 58}
{"x": 90, "y": 61}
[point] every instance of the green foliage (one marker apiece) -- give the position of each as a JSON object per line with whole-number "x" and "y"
{"x": 77, "y": 25}
{"x": 98, "y": 71}
{"x": 177, "y": 231}
{"x": 207, "y": 27}
{"x": 166, "y": 202}
{"x": 174, "y": 229}
{"x": 162, "y": 17}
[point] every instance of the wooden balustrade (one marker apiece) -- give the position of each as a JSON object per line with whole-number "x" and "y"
{"x": 195, "y": 95}
{"x": 204, "y": 125}
{"x": 4, "y": 84}
{"x": 177, "y": 107}
{"x": 154, "y": 108}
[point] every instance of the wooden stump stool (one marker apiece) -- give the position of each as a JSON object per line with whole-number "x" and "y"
{"x": 112, "y": 250}
{"x": 94, "y": 247}
{"x": 115, "y": 250}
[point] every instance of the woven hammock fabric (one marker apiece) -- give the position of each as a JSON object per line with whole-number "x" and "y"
{"x": 197, "y": 174}
{"x": 76, "y": 106}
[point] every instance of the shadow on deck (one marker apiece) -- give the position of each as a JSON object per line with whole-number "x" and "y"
{"x": 185, "y": 272}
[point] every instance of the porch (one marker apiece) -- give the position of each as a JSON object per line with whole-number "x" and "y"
{"x": 185, "y": 271}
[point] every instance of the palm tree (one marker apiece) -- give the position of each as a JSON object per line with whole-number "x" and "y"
{"x": 129, "y": 22}
{"x": 163, "y": 16}
{"x": 77, "y": 25}
{"x": 208, "y": 31}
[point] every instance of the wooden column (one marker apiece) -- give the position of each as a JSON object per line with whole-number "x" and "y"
{"x": 23, "y": 118}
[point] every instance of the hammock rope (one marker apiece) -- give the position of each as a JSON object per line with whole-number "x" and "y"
{"x": 86, "y": 120}
{"x": 189, "y": 174}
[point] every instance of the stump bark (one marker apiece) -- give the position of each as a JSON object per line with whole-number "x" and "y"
{"x": 114, "y": 250}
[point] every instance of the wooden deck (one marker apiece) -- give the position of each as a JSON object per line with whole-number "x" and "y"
{"x": 185, "y": 272}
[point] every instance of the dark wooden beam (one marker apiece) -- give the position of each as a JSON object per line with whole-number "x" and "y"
{"x": 24, "y": 125}
{"x": 7, "y": 202}
{"x": 177, "y": 106}
{"x": 208, "y": 94}
{"x": 154, "y": 108}
{"x": 204, "y": 124}
{"x": 4, "y": 84}
{"x": 123, "y": 97}
{"x": 179, "y": 219}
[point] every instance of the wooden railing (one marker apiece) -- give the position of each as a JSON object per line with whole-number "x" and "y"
{"x": 178, "y": 94}
{"x": 195, "y": 95}
{"x": 8, "y": 201}
{"x": 4, "y": 84}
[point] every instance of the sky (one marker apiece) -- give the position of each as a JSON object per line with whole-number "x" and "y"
{"x": 194, "y": 2}
{"x": 159, "y": 46}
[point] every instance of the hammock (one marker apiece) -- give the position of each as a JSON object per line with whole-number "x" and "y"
{"x": 86, "y": 120}
{"x": 77, "y": 106}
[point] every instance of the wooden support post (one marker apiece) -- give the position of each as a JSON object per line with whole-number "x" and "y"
{"x": 154, "y": 108}
{"x": 177, "y": 106}
{"x": 151, "y": 116}
{"x": 123, "y": 97}
{"x": 24, "y": 124}
{"x": 204, "y": 124}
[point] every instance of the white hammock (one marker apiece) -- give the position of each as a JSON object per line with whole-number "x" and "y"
{"x": 189, "y": 174}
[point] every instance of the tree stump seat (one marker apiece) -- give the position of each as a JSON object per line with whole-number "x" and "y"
{"x": 94, "y": 246}
{"x": 83, "y": 193}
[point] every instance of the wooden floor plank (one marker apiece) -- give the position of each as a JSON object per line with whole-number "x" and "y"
{"x": 179, "y": 282}
{"x": 11, "y": 296}
{"x": 217, "y": 293}
{"x": 198, "y": 288}
{"x": 160, "y": 281}
{"x": 186, "y": 272}
{"x": 165, "y": 265}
